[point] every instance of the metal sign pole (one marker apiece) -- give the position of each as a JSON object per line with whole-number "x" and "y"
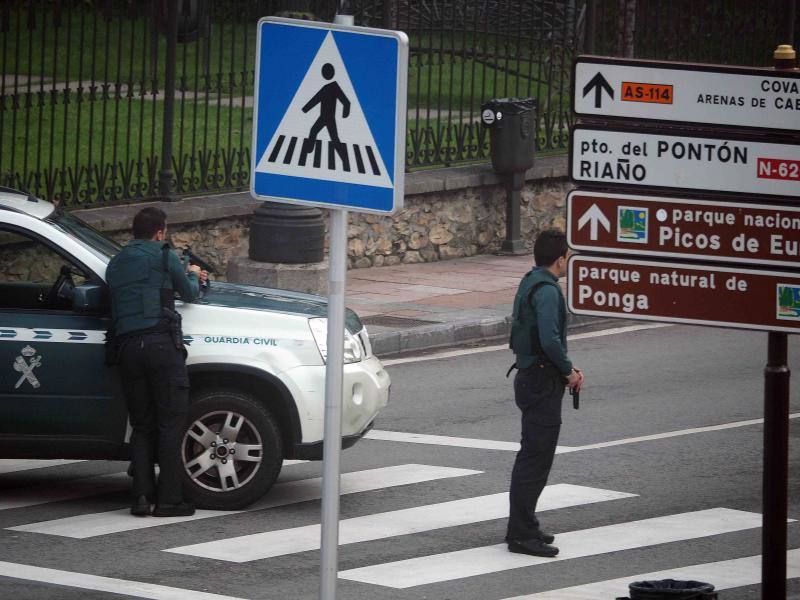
{"x": 776, "y": 438}
{"x": 332, "y": 57}
{"x": 332, "y": 445}
{"x": 776, "y": 468}
{"x": 332, "y": 440}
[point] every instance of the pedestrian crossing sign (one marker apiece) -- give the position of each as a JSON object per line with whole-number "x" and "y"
{"x": 329, "y": 115}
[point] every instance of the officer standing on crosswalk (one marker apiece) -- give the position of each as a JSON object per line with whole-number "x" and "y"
{"x": 539, "y": 343}
{"x": 143, "y": 279}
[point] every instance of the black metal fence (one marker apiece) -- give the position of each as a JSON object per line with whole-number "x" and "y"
{"x": 84, "y": 85}
{"x": 82, "y": 117}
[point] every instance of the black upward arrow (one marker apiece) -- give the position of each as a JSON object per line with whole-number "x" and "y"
{"x": 598, "y": 83}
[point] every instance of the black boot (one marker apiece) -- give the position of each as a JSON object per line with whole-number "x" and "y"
{"x": 140, "y": 506}
{"x": 547, "y": 538}
{"x": 533, "y": 547}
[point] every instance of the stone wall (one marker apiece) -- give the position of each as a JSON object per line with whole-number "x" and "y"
{"x": 215, "y": 241}
{"x": 448, "y": 213}
{"x": 451, "y": 224}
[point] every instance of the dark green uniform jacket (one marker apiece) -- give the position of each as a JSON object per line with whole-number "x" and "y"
{"x": 135, "y": 277}
{"x": 539, "y": 326}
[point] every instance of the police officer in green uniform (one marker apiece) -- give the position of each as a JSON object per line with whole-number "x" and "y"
{"x": 143, "y": 279}
{"x": 539, "y": 342}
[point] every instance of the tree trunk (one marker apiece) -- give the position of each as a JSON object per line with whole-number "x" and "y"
{"x": 626, "y": 28}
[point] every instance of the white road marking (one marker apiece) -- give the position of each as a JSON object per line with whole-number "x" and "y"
{"x": 393, "y": 523}
{"x": 575, "y": 544}
{"x": 570, "y": 338}
{"x": 443, "y": 440}
{"x": 124, "y": 587}
{"x": 68, "y": 490}
{"x": 440, "y": 440}
{"x": 725, "y": 575}
{"x": 72, "y": 489}
{"x": 282, "y": 494}
{"x": 669, "y": 434}
{"x": 8, "y": 465}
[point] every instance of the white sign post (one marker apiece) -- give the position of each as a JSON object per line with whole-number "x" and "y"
{"x": 329, "y": 131}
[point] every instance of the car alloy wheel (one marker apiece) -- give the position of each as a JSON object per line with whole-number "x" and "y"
{"x": 222, "y": 451}
{"x": 232, "y": 449}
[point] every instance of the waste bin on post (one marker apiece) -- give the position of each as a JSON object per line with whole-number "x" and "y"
{"x": 670, "y": 589}
{"x": 512, "y": 134}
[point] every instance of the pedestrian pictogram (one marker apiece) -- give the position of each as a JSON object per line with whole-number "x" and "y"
{"x": 327, "y": 117}
{"x": 327, "y": 99}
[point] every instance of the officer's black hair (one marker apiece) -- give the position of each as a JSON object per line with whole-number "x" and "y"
{"x": 148, "y": 221}
{"x": 549, "y": 247}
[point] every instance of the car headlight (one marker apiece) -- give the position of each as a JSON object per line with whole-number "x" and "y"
{"x": 352, "y": 346}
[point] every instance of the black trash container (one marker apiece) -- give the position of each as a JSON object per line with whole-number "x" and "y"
{"x": 671, "y": 589}
{"x": 512, "y": 132}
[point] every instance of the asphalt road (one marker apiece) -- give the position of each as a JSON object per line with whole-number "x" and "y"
{"x": 663, "y": 504}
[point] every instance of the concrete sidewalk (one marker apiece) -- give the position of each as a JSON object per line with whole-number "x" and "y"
{"x": 421, "y": 306}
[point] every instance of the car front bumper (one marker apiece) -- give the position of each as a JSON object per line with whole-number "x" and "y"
{"x": 365, "y": 393}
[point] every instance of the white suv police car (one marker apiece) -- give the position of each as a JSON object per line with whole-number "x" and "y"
{"x": 256, "y": 364}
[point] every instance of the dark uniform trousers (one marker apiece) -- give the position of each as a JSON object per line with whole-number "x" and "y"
{"x": 538, "y": 392}
{"x": 156, "y": 387}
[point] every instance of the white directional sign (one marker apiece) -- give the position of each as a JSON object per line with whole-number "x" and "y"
{"x": 618, "y": 156}
{"x": 689, "y": 93}
{"x": 329, "y": 120}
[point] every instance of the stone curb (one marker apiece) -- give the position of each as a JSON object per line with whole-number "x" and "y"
{"x": 427, "y": 337}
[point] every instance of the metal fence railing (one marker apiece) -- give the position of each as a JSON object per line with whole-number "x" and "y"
{"x": 82, "y": 94}
{"x": 84, "y": 83}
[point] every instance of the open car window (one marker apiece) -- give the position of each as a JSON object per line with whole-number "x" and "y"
{"x": 29, "y": 269}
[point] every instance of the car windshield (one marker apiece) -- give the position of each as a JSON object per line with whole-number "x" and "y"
{"x": 85, "y": 233}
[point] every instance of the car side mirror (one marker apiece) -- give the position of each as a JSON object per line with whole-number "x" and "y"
{"x": 89, "y": 297}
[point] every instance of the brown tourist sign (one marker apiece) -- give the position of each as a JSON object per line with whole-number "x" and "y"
{"x": 726, "y": 231}
{"x": 680, "y": 293}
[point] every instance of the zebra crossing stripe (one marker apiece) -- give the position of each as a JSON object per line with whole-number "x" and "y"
{"x": 574, "y": 544}
{"x": 725, "y": 575}
{"x": 72, "y": 489}
{"x": 269, "y": 544}
{"x": 282, "y": 494}
{"x": 84, "y": 581}
{"x": 314, "y": 148}
{"x": 440, "y": 440}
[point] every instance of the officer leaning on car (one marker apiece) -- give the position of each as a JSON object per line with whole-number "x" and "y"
{"x": 148, "y": 345}
{"x": 539, "y": 343}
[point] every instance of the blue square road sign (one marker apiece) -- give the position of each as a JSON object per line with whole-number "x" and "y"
{"x": 329, "y": 118}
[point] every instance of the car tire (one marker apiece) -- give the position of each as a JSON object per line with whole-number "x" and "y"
{"x": 232, "y": 450}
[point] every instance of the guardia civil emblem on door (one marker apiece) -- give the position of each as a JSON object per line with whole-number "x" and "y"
{"x": 25, "y": 365}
